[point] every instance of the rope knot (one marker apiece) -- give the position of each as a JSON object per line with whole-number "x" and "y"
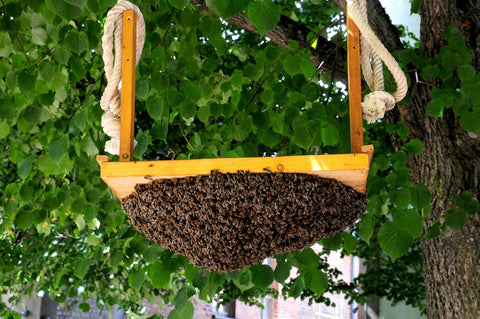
{"x": 375, "y": 104}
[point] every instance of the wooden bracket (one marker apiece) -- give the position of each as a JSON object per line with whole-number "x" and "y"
{"x": 354, "y": 85}
{"x": 127, "y": 119}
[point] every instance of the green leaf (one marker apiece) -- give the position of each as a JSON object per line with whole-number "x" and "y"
{"x": 159, "y": 276}
{"x": 181, "y": 299}
{"x": 58, "y": 148}
{"x": 228, "y": 8}
{"x": 25, "y": 166}
{"x": 466, "y": 72}
{"x": 68, "y": 9}
{"x": 4, "y": 129}
{"x": 297, "y": 287}
{"x": 263, "y": 15}
{"x": 401, "y": 197}
{"x": 152, "y": 253}
{"x": 420, "y": 196}
{"x": 26, "y": 81}
{"x": 243, "y": 279}
{"x": 186, "y": 313}
{"x": 142, "y": 89}
{"x": 456, "y": 219}
{"x": 332, "y": 243}
{"x": 465, "y": 202}
{"x": 470, "y": 121}
{"x": 136, "y": 279}
{"x": 308, "y": 257}
{"x": 211, "y": 27}
{"x": 188, "y": 110}
{"x": 302, "y": 137}
{"x": 330, "y": 134}
{"x": 85, "y": 307}
{"x": 81, "y": 267}
{"x": 80, "y": 120}
{"x": 39, "y": 36}
{"x": 395, "y": 241}
{"x": 350, "y": 242}
{"x": 282, "y": 271}
{"x": 317, "y": 281}
{"x": 237, "y": 79}
{"x": 26, "y": 193}
{"x": 435, "y": 108}
{"x": 61, "y": 54}
{"x": 291, "y": 64}
{"x": 155, "y": 108}
{"x": 179, "y": 4}
{"x": 24, "y": 219}
{"x": 415, "y": 146}
{"x": 6, "y": 46}
{"x": 142, "y": 139}
{"x": 410, "y": 220}
{"x": 77, "y": 41}
{"x": 308, "y": 68}
{"x": 415, "y": 6}
{"x": 433, "y": 231}
{"x": 80, "y": 222}
{"x": 262, "y": 275}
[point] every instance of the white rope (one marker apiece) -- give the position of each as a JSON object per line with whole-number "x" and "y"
{"x": 112, "y": 58}
{"x": 378, "y": 101}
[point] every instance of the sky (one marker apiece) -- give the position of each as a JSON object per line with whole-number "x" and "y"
{"x": 399, "y": 12}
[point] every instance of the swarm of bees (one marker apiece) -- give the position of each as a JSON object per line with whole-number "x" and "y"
{"x": 223, "y": 222}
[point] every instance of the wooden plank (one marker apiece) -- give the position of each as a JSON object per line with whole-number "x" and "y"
{"x": 351, "y": 169}
{"x": 127, "y": 119}
{"x": 368, "y": 149}
{"x": 354, "y": 85}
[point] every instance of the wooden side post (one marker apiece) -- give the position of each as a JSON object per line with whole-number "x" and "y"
{"x": 354, "y": 85}
{"x": 127, "y": 120}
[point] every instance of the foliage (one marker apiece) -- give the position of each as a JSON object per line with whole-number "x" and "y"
{"x": 205, "y": 88}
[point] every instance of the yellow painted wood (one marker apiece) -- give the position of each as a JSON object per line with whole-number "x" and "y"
{"x": 351, "y": 169}
{"x": 127, "y": 119}
{"x": 354, "y": 85}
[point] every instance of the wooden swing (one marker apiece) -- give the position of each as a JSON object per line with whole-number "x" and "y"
{"x": 122, "y": 176}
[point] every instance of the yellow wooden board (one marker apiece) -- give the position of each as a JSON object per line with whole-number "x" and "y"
{"x": 121, "y": 177}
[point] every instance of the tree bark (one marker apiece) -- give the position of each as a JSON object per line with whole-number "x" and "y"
{"x": 449, "y": 166}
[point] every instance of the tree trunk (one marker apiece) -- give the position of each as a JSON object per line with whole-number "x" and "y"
{"x": 449, "y": 166}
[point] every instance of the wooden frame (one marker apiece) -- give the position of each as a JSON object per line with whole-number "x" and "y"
{"x": 350, "y": 169}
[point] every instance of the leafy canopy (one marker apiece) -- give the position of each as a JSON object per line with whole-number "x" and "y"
{"x": 205, "y": 88}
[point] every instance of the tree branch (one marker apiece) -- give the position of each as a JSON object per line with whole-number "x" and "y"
{"x": 287, "y": 30}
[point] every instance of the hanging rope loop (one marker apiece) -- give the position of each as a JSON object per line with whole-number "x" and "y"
{"x": 373, "y": 52}
{"x": 112, "y": 58}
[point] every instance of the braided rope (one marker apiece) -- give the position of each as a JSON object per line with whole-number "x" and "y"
{"x": 378, "y": 101}
{"x": 112, "y": 58}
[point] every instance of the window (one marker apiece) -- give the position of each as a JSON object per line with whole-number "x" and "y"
{"x": 223, "y": 311}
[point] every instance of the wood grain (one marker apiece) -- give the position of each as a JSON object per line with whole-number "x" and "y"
{"x": 127, "y": 120}
{"x": 354, "y": 85}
